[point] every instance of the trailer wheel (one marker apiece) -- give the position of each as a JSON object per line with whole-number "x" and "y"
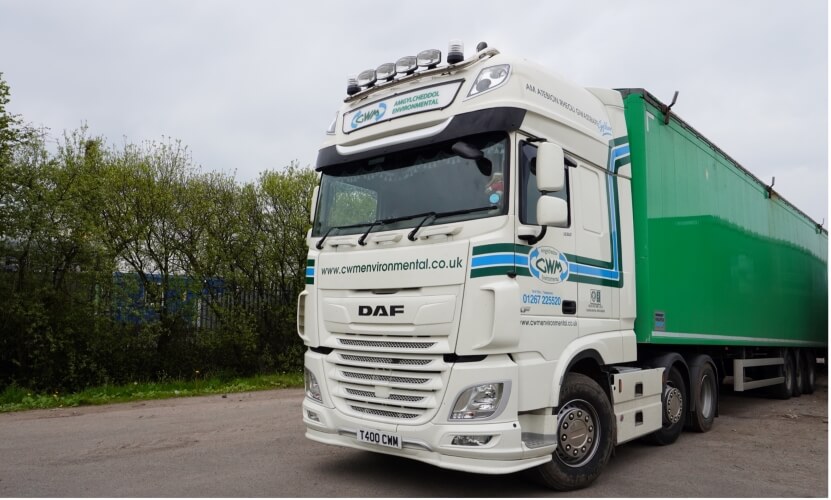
{"x": 674, "y": 406}
{"x": 809, "y": 367}
{"x": 705, "y": 386}
{"x": 785, "y": 389}
{"x": 797, "y": 372}
{"x": 585, "y": 436}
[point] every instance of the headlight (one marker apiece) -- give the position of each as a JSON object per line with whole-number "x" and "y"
{"x": 312, "y": 387}
{"x": 479, "y": 402}
{"x": 489, "y": 79}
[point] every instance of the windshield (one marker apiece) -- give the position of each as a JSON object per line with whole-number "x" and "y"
{"x": 466, "y": 174}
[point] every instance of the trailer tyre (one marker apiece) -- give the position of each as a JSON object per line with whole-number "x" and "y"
{"x": 673, "y": 408}
{"x": 785, "y": 389}
{"x": 809, "y": 367}
{"x": 707, "y": 399}
{"x": 796, "y": 356}
{"x": 585, "y": 436}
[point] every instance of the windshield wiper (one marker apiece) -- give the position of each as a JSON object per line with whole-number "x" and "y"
{"x": 319, "y": 244}
{"x": 411, "y": 236}
{"x": 434, "y": 216}
{"x": 362, "y": 239}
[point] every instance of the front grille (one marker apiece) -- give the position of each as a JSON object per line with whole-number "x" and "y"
{"x": 387, "y": 386}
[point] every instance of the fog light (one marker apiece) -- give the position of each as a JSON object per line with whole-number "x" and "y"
{"x": 312, "y": 387}
{"x": 471, "y": 440}
{"x": 312, "y": 416}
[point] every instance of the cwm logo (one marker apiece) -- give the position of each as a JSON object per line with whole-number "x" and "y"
{"x": 548, "y": 265}
{"x": 369, "y": 116}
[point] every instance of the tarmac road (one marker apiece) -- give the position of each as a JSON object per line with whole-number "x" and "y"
{"x": 253, "y": 444}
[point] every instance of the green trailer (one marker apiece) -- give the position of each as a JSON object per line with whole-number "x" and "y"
{"x": 721, "y": 258}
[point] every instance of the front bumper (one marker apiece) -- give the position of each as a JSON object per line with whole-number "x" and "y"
{"x": 432, "y": 441}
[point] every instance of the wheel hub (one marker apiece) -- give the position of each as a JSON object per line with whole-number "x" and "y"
{"x": 577, "y": 433}
{"x": 674, "y": 403}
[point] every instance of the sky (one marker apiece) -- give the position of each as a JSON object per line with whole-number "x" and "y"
{"x": 251, "y": 86}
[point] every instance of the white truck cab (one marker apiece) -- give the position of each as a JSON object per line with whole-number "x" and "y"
{"x": 469, "y": 296}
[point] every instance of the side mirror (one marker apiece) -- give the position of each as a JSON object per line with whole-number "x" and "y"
{"x": 314, "y": 204}
{"x": 552, "y": 211}
{"x": 551, "y": 164}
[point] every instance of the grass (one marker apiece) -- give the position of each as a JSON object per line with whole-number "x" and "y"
{"x": 15, "y": 398}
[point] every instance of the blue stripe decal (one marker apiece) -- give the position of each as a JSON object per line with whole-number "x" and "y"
{"x": 595, "y": 272}
{"x": 492, "y": 260}
{"x": 310, "y": 271}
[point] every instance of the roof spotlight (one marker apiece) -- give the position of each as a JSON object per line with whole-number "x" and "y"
{"x": 352, "y": 86}
{"x": 406, "y": 65}
{"x": 429, "y": 58}
{"x": 455, "y": 52}
{"x": 367, "y": 78}
{"x": 385, "y": 71}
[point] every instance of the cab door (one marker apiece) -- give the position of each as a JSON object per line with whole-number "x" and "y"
{"x": 548, "y": 301}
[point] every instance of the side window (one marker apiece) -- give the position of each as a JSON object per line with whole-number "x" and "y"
{"x": 529, "y": 195}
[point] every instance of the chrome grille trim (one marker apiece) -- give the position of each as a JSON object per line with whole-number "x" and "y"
{"x": 386, "y": 344}
{"x": 384, "y": 378}
{"x": 392, "y": 397}
{"x": 385, "y": 413}
{"x": 385, "y": 360}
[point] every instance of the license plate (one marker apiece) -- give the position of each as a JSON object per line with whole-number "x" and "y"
{"x": 379, "y": 438}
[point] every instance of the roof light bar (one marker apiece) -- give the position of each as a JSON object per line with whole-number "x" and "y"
{"x": 367, "y": 78}
{"x": 385, "y": 72}
{"x": 406, "y": 65}
{"x": 429, "y": 58}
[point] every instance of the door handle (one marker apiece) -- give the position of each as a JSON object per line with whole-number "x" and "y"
{"x": 569, "y": 307}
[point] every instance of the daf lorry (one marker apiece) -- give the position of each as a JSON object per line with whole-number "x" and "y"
{"x": 507, "y": 271}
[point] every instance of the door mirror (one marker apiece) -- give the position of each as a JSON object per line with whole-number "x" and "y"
{"x": 552, "y": 211}
{"x": 551, "y": 164}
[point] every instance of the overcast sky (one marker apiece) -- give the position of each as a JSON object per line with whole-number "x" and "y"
{"x": 252, "y": 85}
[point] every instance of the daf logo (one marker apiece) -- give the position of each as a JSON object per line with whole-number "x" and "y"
{"x": 380, "y": 310}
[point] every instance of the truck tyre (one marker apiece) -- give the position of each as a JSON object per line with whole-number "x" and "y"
{"x": 585, "y": 436}
{"x": 785, "y": 389}
{"x": 705, "y": 391}
{"x": 673, "y": 410}
{"x": 797, "y": 372}
{"x": 809, "y": 362}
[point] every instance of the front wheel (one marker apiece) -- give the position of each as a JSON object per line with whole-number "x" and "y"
{"x": 585, "y": 436}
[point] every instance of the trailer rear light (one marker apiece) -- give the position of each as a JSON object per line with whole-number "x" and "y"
{"x": 471, "y": 440}
{"x": 490, "y": 78}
